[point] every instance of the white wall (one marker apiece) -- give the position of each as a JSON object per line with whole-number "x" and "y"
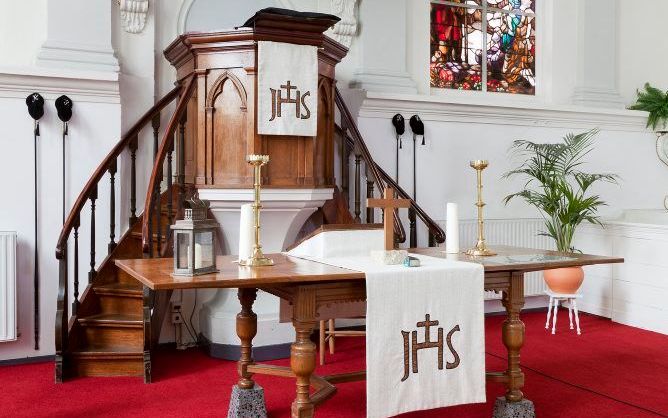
{"x": 22, "y": 31}
{"x": 643, "y": 52}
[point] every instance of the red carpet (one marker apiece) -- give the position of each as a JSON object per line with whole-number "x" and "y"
{"x": 610, "y": 371}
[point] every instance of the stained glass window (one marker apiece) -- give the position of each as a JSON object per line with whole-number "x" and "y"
{"x": 502, "y": 31}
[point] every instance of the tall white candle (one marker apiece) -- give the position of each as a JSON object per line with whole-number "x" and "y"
{"x": 246, "y": 232}
{"x": 452, "y": 229}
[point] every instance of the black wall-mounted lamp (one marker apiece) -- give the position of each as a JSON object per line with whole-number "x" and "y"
{"x": 399, "y": 124}
{"x": 64, "y": 108}
{"x": 35, "y": 103}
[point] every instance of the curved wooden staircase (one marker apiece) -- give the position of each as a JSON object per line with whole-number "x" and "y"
{"x": 114, "y": 322}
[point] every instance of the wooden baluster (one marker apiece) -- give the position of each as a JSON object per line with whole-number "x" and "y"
{"x": 75, "y": 302}
{"x": 62, "y": 316}
{"x": 182, "y": 162}
{"x": 93, "y": 198}
{"x": 133, "y": 180}
{"x": 369, "y": 195}
{"x": 345, "y": 174}
{"x": 112, "y": 207}
{"x": 432, "y": 239}
{"x": 170, "y": 192}
{"x": 155, "y": 123}
{"x": 158, "y": 219}
{"x": 358, "y": 188}
{"x": 413, "y": 227}
{"x": 149, "y": 253}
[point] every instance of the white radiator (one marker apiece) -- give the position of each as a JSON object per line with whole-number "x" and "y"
{"x": 515, "y": 232}
{"x": 8, "y": 323}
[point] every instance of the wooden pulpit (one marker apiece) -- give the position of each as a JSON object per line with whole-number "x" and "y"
{"x": 221, "y": 127}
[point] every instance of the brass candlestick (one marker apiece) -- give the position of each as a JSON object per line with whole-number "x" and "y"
{"x": 257, "y": 259}
{"x": 480, "y": 248}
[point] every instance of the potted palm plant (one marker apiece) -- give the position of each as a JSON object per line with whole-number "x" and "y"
{"x": 557, "y": 187}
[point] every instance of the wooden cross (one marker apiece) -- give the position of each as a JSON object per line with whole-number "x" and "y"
{"x": 388, "y": 203}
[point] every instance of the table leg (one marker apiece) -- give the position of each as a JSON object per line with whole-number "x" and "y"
{"x": 302, "y": 352}
{"x": 513, "y": 405}
{"x": 513, "y": 336}
{"x": 302, "y": 363}
{"x": 246, "y": 330}
{"x": 247, "y": 398}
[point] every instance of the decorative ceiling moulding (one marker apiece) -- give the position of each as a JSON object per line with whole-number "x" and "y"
{"x": 385, "y": 105}
{"x": 344, "y": 31}
{"x": 133, "y": 14}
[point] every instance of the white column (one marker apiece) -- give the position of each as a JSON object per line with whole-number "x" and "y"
{"x": 382, "y": 42}
{"x": 78, "y": 36}
{"x": 596, "y": 81}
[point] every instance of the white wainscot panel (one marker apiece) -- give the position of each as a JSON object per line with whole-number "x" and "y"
{"x": 640, "y": 316}
{"x": 634, "y": 293}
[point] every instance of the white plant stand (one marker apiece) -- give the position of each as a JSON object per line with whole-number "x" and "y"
{"x": 553, "y": 307}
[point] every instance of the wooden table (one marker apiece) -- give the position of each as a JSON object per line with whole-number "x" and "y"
{"x": 309, "y": 285}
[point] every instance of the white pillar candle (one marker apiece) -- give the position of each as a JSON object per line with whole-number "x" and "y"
{"x": 198, "y": 256}
{"x": 452, "y": 229}
{"x": 246, "y": 232}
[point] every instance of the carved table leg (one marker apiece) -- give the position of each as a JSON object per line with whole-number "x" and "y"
{"x": 246, "y": 330}
{"x": 147, "y": 303}
{"x": 247, "y": 398}
{"x": 302, "y": 352}
{"x": 514, "y": 405}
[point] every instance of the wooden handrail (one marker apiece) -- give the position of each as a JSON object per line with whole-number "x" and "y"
{"x": 102, "y": 169}
{"x": 379, "y": 176}
{"x": 156, "y": 174}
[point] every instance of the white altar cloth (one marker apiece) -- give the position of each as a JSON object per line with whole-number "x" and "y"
{"x": 406, "y": 370}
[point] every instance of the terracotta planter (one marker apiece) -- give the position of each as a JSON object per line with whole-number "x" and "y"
{"x": 565, "y": 280}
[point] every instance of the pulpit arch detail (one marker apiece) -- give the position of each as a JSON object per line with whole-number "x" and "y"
{"x": 217, "y": 88}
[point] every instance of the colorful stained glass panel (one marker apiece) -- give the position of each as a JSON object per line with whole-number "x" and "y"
{"x": 511, "y": 63}
{"x": 525, "y": 6}
{"x": 456, "y": 47}
{"x": 506, "y": 39}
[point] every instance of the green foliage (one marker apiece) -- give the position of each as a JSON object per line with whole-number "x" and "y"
{"x": 655, "y": 102}
{"x": 556, "y": 186}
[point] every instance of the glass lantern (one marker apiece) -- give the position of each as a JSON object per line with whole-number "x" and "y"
{"x": 195, "y": 241}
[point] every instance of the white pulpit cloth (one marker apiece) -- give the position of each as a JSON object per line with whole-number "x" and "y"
{"x": 398, "y": 298}
{"x": 287, "y": 89}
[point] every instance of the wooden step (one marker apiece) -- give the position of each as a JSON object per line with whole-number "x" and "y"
{"x": 112, "y": 331}
{"x": 120, "y": 289}
{"x": 101, "y": 362}
{"x": 120, "y": 298}
{"x": 115, "y": 320}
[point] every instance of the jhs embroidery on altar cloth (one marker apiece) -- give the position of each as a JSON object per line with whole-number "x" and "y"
{"x": 287, "y": 89}
{"x": 425, "y": 342}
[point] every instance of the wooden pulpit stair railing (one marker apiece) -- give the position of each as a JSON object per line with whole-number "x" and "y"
{"x": 108, "y": 332}
{"x": 353, "y": 147}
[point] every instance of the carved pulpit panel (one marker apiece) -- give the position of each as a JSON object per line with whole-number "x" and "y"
{"x": 227, "y": 123}
{"x": 225, "y": 117}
